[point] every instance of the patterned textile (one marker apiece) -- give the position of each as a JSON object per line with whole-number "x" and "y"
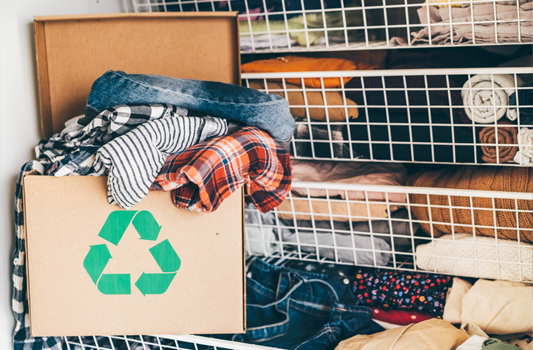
{"x": 205, "y": 174}
{"x": 396, "y": 289}
{"x": 21, "y": 336}
{"x": 301, "y": 148}
{"x": 134, "y": 159}
{"x": 101, "y": 129}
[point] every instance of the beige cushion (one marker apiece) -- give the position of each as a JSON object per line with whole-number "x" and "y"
{"x": 454, "y": 300}
{"x": 499, "y": 307}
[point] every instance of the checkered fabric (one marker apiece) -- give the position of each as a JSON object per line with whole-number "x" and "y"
{"x": 21, "y": 337}
{"x": 205, "y": 174}
{"x": 74, "y": 148}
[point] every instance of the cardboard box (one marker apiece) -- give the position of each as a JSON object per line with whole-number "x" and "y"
{"x": 92, "y": 267}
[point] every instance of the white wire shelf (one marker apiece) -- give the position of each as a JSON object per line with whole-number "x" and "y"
{"x": 443, "y": 116}
{"x": 331, "y": 25}
{"x": 481, "y": 234}
{"x": 156, "y": 342}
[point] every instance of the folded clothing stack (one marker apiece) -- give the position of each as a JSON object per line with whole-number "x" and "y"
{"x": 318, "y": 220}
{"x": 514, "y": 24}
{"x": 479, "y": 215}
{"x": 259, "y": 34}
{"x": 462, "y": 119}
{"x": 312, "y": 101}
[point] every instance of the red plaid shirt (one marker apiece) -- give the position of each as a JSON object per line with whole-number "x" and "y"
{"x": 207, "y": 173}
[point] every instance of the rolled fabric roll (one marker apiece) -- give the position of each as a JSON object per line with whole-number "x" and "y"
{"x": 486, "y": 102}
{"x": 525, "y": 142}
{"x": 506, "y": 136}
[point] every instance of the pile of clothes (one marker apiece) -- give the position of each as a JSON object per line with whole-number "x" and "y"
{"x": 200, "y": 140}
{"x": 305, "y": 305}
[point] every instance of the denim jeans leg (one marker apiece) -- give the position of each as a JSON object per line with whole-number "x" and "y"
{"x": 248, "y": 106}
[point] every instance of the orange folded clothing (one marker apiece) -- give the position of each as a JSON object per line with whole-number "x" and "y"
{"x": 307, "y": 64}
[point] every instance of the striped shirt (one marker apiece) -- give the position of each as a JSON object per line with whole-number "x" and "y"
{"x": 133, "y": 160}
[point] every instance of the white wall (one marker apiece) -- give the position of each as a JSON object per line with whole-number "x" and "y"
{"x": 19, "y": 125}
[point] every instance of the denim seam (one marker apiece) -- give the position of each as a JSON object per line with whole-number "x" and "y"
{"x": 203, "y": 99}
{"x": 309, "y": 311}
{"x": 326, "y": 331}
{"x": 267, "y": 339}
{"x": 267, "y": 293}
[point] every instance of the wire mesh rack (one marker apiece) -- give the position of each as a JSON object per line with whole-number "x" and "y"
{"x": 326, "y": 25}
{"x": 156, "y": 342}
{"x": 444, "y": 116}
{"x": 481, "y": 234}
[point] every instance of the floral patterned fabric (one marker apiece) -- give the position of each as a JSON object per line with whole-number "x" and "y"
{"x": 396, "y": 289}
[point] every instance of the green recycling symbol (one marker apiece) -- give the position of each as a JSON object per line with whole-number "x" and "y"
{"x": 148, "y": 229}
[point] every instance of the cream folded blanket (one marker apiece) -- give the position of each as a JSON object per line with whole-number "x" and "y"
{"x": 486, "y": 102}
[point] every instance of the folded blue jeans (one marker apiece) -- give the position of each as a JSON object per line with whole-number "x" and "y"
{"x": 292, "y": 309}
{"x": 248, "y": 106}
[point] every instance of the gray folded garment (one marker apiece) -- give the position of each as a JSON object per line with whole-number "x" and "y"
{"x": 370, "y": 249}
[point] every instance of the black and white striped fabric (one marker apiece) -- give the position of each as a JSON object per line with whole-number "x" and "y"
{"x": 106, "y": 126}
{"x": 133, "y": 160}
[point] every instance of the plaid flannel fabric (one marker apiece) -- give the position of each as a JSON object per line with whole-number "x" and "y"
{"x": 205, "y": 174}
{"x": 302, "y": 146}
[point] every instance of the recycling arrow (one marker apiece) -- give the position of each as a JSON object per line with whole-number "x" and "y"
{"x": 96, "y": 261}
{"x": 154, "y": 283}
{"x": 113, "y": 230}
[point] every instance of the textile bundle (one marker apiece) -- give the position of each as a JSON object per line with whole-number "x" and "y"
{"x": 525, "y": 140}
{"x": 506, "y": 136}
{"x": 453, "y": 254}
{"x": 474, "y": 23}
{"x": 207, "y": 173}
{"x": 275, "y": 31}
{"x": 486, "y": 96}
{"x": 315, "y": 101}
{"x": 305, "y": 64}
{"x": 508, "y": 179}
{"x": 505, "y": 306}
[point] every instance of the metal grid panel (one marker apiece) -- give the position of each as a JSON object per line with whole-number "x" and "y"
{"x": 351, "y": 224}
{"x": 419, "y": 115}
{"x": 329, "y": 25}
{"x": 156, "y": 342}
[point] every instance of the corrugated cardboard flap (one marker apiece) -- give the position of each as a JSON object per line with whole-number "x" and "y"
{"x": 73, "y": 51}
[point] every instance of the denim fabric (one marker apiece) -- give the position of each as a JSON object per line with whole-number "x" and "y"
{"x": 251, "y": 107}
{"x": 292, "y": 309}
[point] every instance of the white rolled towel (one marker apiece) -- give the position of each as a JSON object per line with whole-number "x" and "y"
{"x": 485, "y": 102}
